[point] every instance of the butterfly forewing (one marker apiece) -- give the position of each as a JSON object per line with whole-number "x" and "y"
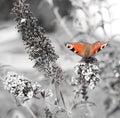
{"x": 78, "y": 48}
{"x": 96, "y": 47}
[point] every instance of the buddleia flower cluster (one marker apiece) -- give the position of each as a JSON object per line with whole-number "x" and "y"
{"x": 37, "y": 44}
{"x": 87, "y": 77}
{"x": 21, "y": 87}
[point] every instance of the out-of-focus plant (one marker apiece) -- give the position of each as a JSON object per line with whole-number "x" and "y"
{"x": 110, "y": 72}
{"x": 88, "y": 18}
{"x": 61, "y": 9}
{"x": 21, "y": 87}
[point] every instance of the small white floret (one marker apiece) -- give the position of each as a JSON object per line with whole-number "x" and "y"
{"x": 23, "y": 20}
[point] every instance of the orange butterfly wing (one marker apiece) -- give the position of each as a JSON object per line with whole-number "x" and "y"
{"x": 86, "y": 50}
{"x": 78, "y": 48}
{"x": 96, "y": 47}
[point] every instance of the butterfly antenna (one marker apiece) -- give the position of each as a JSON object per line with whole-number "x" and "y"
{"x": 66, "y": 44}
{"x": 108, "y": 44}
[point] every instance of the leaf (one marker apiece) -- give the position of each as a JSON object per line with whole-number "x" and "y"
{"x": 79, "y": 104}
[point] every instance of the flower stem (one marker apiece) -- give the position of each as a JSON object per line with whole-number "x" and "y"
{"x": 29, "y": 110}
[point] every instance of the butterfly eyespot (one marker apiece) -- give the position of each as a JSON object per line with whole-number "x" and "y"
{"x": 102, "y": 47}
{"x": 69, "y": 46}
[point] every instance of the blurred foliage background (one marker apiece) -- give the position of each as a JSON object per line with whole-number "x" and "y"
{"x": 42, "y": 9}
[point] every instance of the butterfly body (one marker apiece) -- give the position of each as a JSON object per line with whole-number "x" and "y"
{"x": 86, "y": 50}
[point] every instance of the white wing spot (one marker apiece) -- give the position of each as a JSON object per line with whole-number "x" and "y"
{"x": 104, "y": 45}
{"x": 70, "y": 46}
